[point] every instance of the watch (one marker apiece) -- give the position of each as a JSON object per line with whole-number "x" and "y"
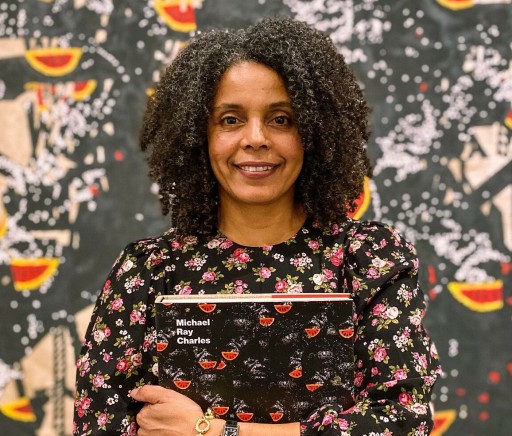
{"x": 230, "y": 428}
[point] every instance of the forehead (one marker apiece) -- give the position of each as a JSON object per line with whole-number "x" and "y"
{"x": 250, "y": 80}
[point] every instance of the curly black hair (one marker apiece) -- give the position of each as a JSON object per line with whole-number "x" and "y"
{"x": 330, "y": 110}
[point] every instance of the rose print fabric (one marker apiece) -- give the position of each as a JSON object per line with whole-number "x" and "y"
{"x": 396, "y": 364}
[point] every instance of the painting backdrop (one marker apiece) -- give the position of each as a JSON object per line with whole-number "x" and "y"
{"x": 74, "y": 78}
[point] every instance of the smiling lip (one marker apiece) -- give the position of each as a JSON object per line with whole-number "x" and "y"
{"x": 256, "y": 170}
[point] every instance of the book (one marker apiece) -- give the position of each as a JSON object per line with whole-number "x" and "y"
{"x": 270, "y": 358}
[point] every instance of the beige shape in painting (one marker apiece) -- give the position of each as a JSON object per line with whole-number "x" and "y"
{"x": 482, "y": 165}
{"x": 12, "y": 48}
{"x": 503, "y": 202}
{"x": 15, "y": 137}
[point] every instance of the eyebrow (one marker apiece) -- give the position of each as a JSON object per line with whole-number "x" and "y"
{"x": 238, "y": 106}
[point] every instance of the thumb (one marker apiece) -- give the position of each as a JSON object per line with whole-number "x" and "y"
{"x": 149, "y": 394}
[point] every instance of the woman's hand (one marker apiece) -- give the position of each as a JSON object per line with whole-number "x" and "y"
{"x": 167, "y": 412}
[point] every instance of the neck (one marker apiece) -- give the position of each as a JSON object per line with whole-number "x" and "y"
{"x": 259, "y": 225}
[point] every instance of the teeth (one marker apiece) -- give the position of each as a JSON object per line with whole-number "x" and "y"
{"x": 256, "y": 169}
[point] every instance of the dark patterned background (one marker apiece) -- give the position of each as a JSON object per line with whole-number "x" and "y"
{"x": 74, "y": 78}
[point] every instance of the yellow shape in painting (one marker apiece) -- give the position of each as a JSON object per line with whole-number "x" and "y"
{"x": 19, "y": 410}
{"x": 55, "y": 61}
{"x": 3, "y": 220}
{"x": 30, "y": 274}
{"x": 84, "y": 89}
{"x": 363, "y": 201}
{"x": 442, "y": 421}
{"x": 179, "y": 15}
{"x": 508, "y": 119}
{"x": 480, "y": 297}
{"x": 456, "y": 5}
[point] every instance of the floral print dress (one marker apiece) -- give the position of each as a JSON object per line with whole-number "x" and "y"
{"x": 396, "y": 363}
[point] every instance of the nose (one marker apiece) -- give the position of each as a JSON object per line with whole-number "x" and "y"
{"x": 255, "y": 135}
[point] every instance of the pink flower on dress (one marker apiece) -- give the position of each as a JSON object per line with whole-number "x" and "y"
{"x": 404, "y": 398}
{"x": 135, "y": 316}
{"x": 328, "y": 274}
{"x": 314, "y": 245}
{"x": 264, "y": 272}
{"x": 117, "y": 303}
{"x": 379, "y": 308}
{"x": 343, "y": 423}
{"x": 327, "y": 420}
{"x": 244, "y": 258}
{"x": 122, "y": 365}
{"x": 281, "y": 286}
{"x": 380, "y": 354}
{"x": 390, "y": 384}
{"x": 136, "y": 359}
{"x": 98, "y": 381}
{"x": 358, "y": 379}
{"x": 209, "y": 276}
{"x": 185, "y": 290}
{"x": 102, "y": 419}
{"x": 336, "y": 261}
{"x": 400, "y": 374}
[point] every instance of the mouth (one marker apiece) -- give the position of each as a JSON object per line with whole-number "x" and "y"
{"x": 256, "y": 168}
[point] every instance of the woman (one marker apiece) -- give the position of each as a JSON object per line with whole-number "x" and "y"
{"x": 257, "y": 141}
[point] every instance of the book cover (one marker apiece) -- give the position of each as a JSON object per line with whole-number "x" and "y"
{"x": 258, "y": 357}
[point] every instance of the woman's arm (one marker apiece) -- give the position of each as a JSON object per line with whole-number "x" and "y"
{"x": 118, "y": 350}
{"x": 169, "y": 413}
{"x": 396, "y": 363}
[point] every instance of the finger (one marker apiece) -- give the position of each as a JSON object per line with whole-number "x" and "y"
{"x": 150, "y": 394}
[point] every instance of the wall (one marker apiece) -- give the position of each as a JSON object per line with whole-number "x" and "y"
{"x": 74, "y": 77}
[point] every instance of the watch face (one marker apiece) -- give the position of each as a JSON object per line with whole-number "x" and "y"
{"x": 231, "y": 428}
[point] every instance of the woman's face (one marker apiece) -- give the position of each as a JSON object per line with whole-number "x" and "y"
{"x": 253, "y": 142}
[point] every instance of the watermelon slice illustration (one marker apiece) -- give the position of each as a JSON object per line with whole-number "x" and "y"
{"x": 296, "y": 373}
{"x": 221, "y": 365}
{"x": 19, "y": 410}
{"x": 346, "y": 333}
{"x": 29, "y": 274}
{"x": 244, "y": 416}
{"x": 220, "y": 410}
{"x": 480, "y": 297}
{"x": 208, "y": 364}
{"x": 456, "y": 5}
{"x": 363, "y": 201}
{"x": 161, "y": 346}
{"x": 282, "y": 308}
{"x": 443, "y": 419}
{"x": 276, "y": 416}
{"x": 266, "y": 321}
{"x": 312, "y": 387}
{"x": 207, "y": 307}
{"x": 182, "y": 384}
{"x": 229, "y": 355}
{"x": 177, "y": 17}
{"x": 54, "y": 62}
{"x": 312, "y": 332}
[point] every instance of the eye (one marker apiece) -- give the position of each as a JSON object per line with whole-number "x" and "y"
{"x": 229, "y": 120}
{"x": 282, "y": 120}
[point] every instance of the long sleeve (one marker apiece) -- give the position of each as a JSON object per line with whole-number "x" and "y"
{"x": 396, "y": 364}
{"x": 118, "y": 351}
